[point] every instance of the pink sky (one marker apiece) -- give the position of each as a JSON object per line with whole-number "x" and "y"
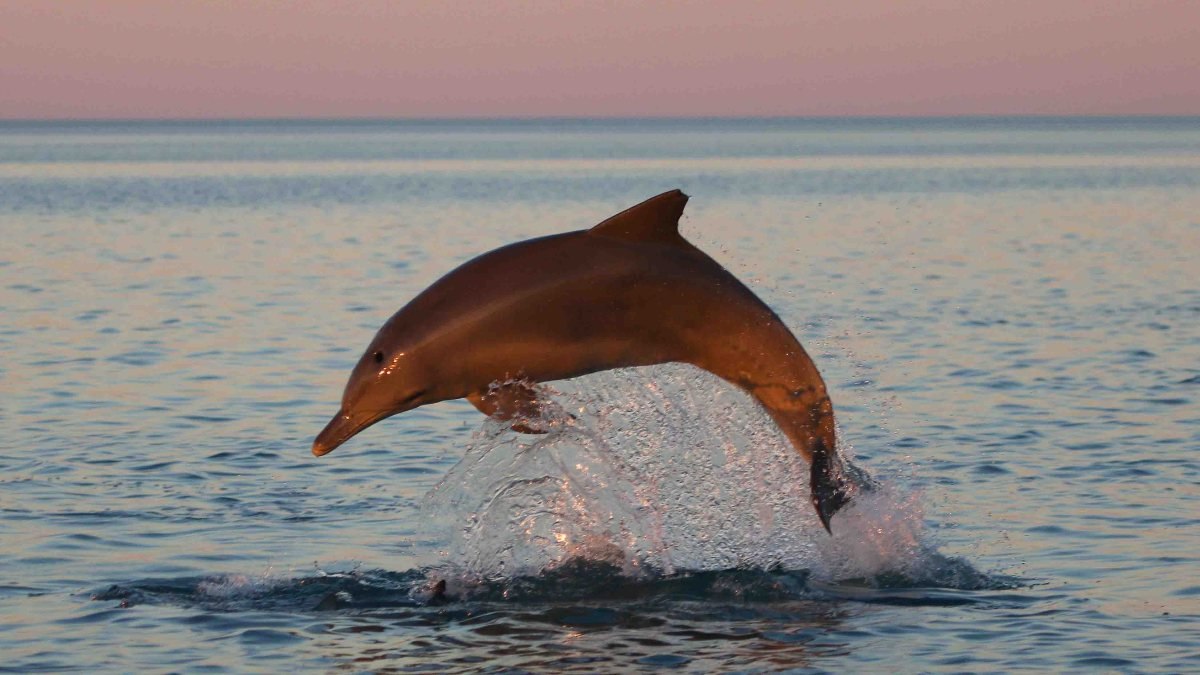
{"x": 175, "y": 58}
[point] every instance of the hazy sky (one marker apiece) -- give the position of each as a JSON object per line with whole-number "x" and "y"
{"x": 254, "y": 58}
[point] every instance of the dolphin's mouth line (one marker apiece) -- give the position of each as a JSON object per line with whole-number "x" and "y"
{"x": 343, "y": 427}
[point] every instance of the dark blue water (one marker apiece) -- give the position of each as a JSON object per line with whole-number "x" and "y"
{"x": 1007, "y": 312}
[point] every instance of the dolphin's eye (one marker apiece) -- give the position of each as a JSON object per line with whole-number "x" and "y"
{"x": 378, "y": 357}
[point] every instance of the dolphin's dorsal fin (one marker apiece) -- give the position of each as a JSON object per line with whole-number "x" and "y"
{"x": 656, "y": 219}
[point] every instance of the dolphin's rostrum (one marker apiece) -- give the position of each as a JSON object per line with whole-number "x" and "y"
{"x": 628, "y": 292}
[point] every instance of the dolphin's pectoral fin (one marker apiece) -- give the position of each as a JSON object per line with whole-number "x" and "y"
{"x": 834, "y": 481}
{"x": 511, "y": 400}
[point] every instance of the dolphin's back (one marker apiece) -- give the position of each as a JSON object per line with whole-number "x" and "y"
{"x": 566, "y": 305}
{"x": 594, "y": 301}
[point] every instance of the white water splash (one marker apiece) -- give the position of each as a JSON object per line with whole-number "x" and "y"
{"x": 663, "y": 469}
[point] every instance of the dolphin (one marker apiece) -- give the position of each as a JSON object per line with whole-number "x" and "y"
{"x": 630, "y": 291}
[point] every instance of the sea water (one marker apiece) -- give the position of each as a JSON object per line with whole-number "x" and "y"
{"x": 1007, "y": 313}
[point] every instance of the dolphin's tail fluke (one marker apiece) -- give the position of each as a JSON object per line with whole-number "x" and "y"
{"x": 834, "y": 481}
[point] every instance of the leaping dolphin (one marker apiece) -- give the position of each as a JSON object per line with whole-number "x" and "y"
{"x": 628, "y": 292}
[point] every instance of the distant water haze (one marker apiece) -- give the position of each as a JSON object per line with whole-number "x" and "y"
{"x": 129, "y": 59}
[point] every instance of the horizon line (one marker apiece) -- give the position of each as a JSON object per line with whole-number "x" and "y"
{"x": 605, "y": 118}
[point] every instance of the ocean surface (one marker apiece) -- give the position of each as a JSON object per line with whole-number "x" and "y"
{"x": 1007, "y": 312}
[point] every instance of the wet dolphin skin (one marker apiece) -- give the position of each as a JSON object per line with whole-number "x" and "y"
{"x": 630, "y": 291}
